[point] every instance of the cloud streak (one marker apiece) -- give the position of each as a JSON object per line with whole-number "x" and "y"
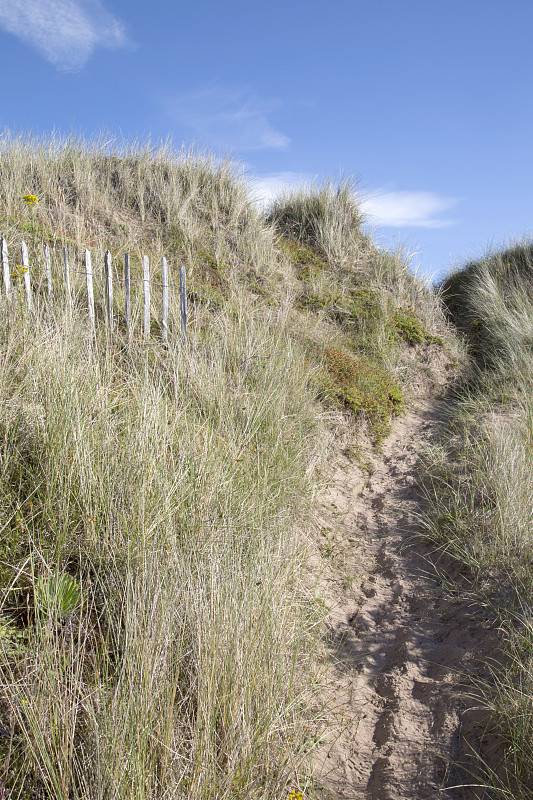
{"x": 265, "y": 188}
{"x": 395, "y": 209}
{"x": 234, "y": 119}
{"x": 408, "y": 209}
{"x": 65, "y": 32}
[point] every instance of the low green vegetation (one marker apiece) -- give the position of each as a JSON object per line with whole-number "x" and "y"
{"x": 157, "y": 637}
{"x": 364, "y": 387}
{"x": 406, "y": 326}
{"x": 307, "y": 260}
{"x": 363, "y": 308}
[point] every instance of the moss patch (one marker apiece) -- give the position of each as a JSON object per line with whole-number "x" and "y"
{"x": 365, "y": 304}
{"x": 315, "y": 302}
{"x": 306, "y": 260}
{"x": 365, "y": 313}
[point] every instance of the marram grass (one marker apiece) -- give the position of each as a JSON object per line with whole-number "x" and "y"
{"x": 478, "y": 485}
{"x": 164, "y": 487}
{"x": 158, "y": 639}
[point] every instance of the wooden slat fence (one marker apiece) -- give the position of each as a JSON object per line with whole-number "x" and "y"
{"x": 26, "y": 271}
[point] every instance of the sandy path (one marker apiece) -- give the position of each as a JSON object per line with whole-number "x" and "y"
{"x": 399, "y": 646}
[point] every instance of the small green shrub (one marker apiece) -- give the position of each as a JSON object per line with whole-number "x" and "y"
{"x": 365, "y": 303}
{"x": 212, "y": 261}
{"x": 365, "y": 387}
{"x": 13, "y": 640}
{"x": 407, "y": 327}
{"x": 364, "y": 314}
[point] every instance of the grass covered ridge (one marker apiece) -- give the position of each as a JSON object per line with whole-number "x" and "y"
{"x": 479, "y": 488}
{"x": 157, "y": 638}
{"x": 489, "y": 302}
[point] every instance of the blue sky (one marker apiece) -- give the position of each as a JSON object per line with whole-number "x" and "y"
{"x": 426, "y": 104}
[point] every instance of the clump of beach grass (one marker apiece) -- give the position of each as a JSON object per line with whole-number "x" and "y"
{"x": 478, "y": 485}
{"x": 166, "y": 485}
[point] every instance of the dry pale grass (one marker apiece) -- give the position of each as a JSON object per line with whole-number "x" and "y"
{"x": 157, "y": 636}
{"x": 135, "y": 198}
{"x": 168, "y": 484}
{"x": 479, "y": 486}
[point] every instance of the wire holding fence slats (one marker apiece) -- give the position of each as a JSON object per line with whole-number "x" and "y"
{"x": 29, "y": 272}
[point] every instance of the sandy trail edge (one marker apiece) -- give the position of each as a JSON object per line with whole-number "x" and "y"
{"x": 400, "y": 646}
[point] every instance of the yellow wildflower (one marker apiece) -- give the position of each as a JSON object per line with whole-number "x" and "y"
{"x": 295, "y": 795}
{"x": 30, "y": 199}
{"x": 20, "y": 270}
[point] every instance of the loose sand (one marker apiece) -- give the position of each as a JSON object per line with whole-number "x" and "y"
{"x": 403, "y": 646}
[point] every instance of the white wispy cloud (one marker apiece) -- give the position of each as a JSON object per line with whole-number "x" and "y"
{"x": 65, "y": 32}
{"x": 265, "y": 188}
{"x": 395, "y": 209}
{"x": 408, "y": 209}
{"x": 231, "y": 118}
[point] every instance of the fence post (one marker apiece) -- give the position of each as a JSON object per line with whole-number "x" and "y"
{"x": 5, "y": 268}
{"x": 67, "y": 277}
{"x": 48, "y": 271}
{"x": 164, "y": 281}
{"x": 90, "y": 291}
{"x": 146, "y": 286}
{"x": 127, "y": 282}
{"x": 26, "y": 265}
{"x": 183, "y": 303}
{"x": 109, "y": 289}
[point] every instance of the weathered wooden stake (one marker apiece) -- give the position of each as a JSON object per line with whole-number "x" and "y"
{"x": 164, "y": 281}
{"x": 5, "y": 268}
{"x": 146, "y": 286}
{"x": 109, "y": 289}
{"x": 127, "y": 283}
{"x": 90, "y": 291}
{"x": 66, "y": 273}
{"x": 183, "y": 303}
{"x": 26, "y": 265}
{"x": 48, "y": 271}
